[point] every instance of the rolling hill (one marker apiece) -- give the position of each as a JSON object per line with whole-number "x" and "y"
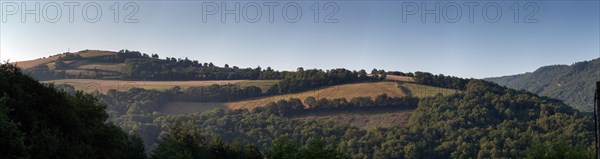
{"x": 134, "y": 65}
{"x": 574, "y": 84}
{"x": 421, "y": 116}
{"x": 50, "y": 61}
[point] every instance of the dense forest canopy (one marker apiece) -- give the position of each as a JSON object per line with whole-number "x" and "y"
{"x": 39, "y": 121}
{"x": 485, "y": 120}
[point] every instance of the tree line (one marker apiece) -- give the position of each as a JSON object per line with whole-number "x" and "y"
{"x": 141, "y": 66}
{"x": 294, "y": 106}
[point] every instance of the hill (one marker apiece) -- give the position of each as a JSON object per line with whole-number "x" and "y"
{"x": 574, "y": 84}
{"x": 435, "y": 116}
{"x": 134, "y": 65}
{"x": 347, "y": 91}
{"x": 405, "y": 115}
{"x": 485, "y": 121}
{"x": 50, "y": 61}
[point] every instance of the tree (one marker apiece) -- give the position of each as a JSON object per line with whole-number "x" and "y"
{"x": 135, "y": 147}
{"x": 381, "y": 100}
{"x": 374, "y": 71}
{"x": 311, "y": 102}
{"x": 317, "y": 150}
{"x": 59, "y": 64}
{"x": 283, "y": 148}
{"x": 362, "y": 74}
{"x": 557, "y": 149}
{"x": 11, "y": 138}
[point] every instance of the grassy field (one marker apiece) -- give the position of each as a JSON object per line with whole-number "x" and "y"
{"x": 363, "y": 119}
{"x": 86, "y": 53}
{"x": 350, "y": 91}
{"x": 33, "y": 63}
{"x": 116, "y": 67}
{"x": 347, "y": 91}
{"x": 399, "y": 78}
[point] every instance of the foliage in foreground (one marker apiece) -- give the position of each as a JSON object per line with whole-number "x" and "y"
{"x": 37, "y": 121}
{"x": 185, "y": 142}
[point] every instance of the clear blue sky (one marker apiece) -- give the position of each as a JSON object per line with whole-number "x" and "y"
{"x": 368, "y": 34}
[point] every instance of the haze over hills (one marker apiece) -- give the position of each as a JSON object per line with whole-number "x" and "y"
{"x": 574, "y": 84}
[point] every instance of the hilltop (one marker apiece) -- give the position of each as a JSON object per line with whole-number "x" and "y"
{"x": 574, "y": 84}
{"x": 133, "y": 65}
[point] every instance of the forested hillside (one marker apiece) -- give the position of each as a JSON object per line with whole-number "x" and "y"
{"x": 483, "y": 120}
{"x": 37, "y": 121}
{"x": 47, "y": 121}
{"x": 448, "y": 117}
{"x": 487, "y": 121}
{"x": 574, "y": 84}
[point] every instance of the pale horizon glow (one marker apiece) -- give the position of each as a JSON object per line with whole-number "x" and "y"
{"x": 368, "y": 35}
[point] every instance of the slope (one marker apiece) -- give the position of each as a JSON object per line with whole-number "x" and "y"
{"x": 38, "y": 121}
{"x": 348, "y": 91}
{"x": 574, "y": 84}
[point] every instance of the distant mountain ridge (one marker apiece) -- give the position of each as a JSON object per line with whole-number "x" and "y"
{"x": 574, "y": 84}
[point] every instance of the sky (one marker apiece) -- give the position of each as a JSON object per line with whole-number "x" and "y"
{"x": 461, "y": 38}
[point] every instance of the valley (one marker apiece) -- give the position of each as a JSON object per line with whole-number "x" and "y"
{"x": 381, "y": 114}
